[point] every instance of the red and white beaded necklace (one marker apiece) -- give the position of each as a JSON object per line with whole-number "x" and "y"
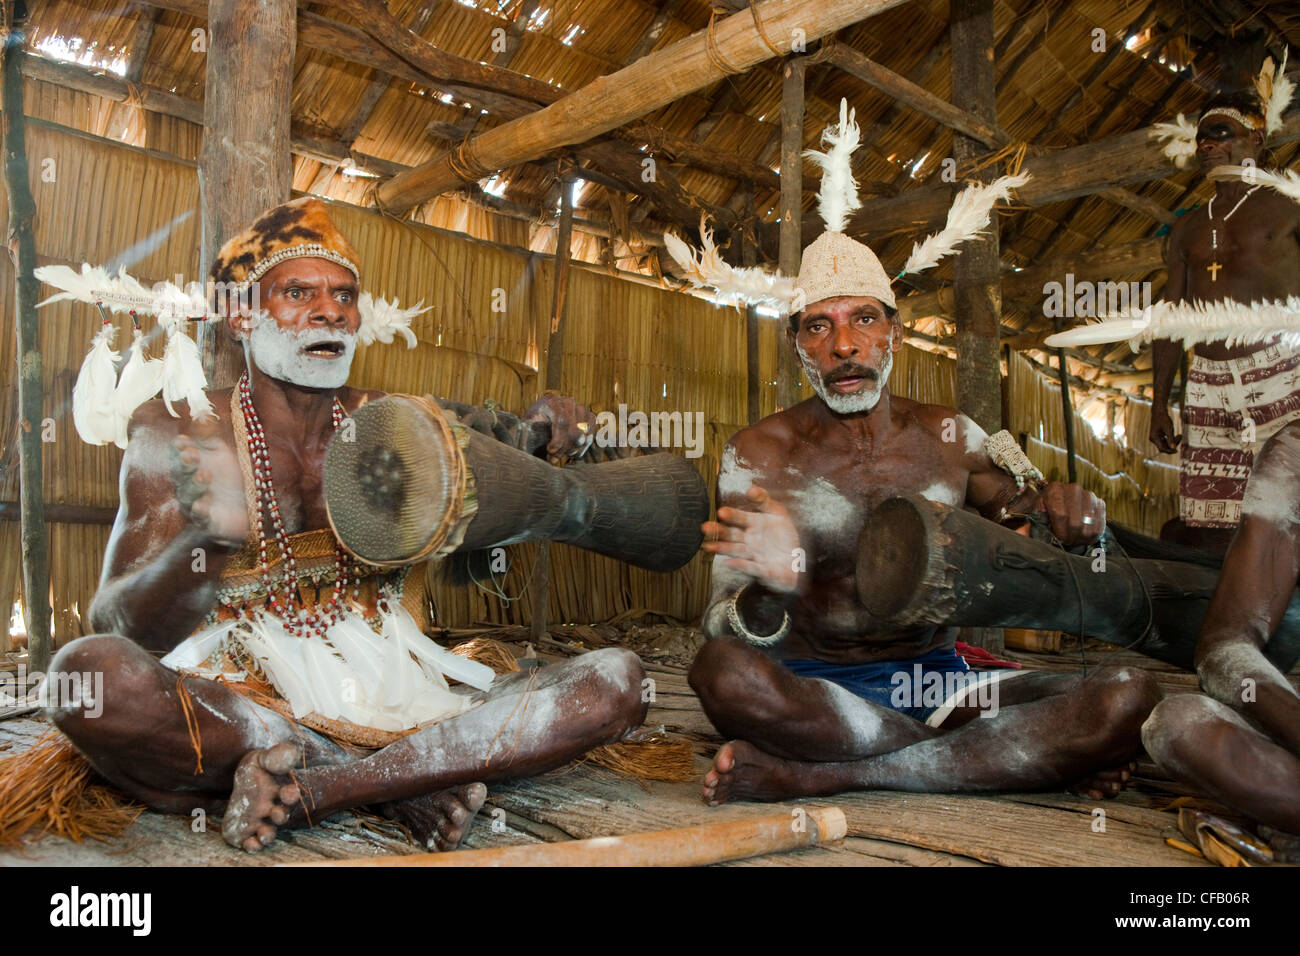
{"x": 297, "y": 621}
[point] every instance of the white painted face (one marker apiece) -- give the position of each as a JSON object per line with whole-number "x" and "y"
{"x": 863, "y": 400}
{"x": 312, "y": 358}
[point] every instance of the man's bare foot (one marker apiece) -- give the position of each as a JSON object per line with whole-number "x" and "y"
{"x": 741, "y": 771}
{"x": 442, "y": 820}
{"x": 1104, "y": 784}
{"x": 264, "y": 797}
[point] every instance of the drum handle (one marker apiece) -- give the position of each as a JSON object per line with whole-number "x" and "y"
{"x": 1003, "y": 557}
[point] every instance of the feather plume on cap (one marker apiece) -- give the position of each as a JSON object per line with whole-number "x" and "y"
{"x": 1181, "y": 139}
{"x": 1228, "y": 321}
{"x": 969, "y": 216}
{"x": 838, "y": 196}
{"x": 733, "y": 285}
{"x": 382, "y": 320}
{"x": 1275, "y": 90}
{"x": 1285, "y": 181}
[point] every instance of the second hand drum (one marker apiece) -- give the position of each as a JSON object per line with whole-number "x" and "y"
{"x": 404, "y": 484}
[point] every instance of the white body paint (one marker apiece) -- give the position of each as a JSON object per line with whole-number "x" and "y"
{"x": 944, "y": 494}
{"x": 1271, "y": 497}
{"x": 855, "y": 714}
{"x": 862, "y": 401}
{"x": 735, "y": 476}
{"x": 975, "y": 436}
{"x": 279, "y": 353}
{"x": 818, "y": 505}
{"x": 1223, "y": 669}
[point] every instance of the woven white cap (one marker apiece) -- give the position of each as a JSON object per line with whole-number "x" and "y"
{"x": 836, "y": 265}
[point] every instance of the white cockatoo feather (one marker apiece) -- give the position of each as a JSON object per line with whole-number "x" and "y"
{"x": 1228, "y": 321}
{"x": 141, "y": 380}
{"x": 969, "y": 216}
{"x": 382, "y": 320}
{"x": 837, "y": 198}
{"x": 1285, "y": 181}
{"x": 1180, "y": 137}
{"x": 92, "y": 394}
{"x": 707, "y": 269}
{"x": 1275, "y": 90}
{"x": 182, "y": 374}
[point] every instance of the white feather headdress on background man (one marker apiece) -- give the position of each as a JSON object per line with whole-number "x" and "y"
{"x": 835, "y": 264}
{"x": 1275, "y": 91}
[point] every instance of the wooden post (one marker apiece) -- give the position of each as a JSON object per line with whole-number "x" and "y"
{"x": 554, "y": 374}
{"x": 245, "y": 166}
{"x": 1067, "y": 409}
{"x": 976, "y": 272}
{"x": 792, "y": 77}
{"x": 753, "y": 375}
{"x": 563, "y": 242}
{"x": 977, "y": 294}
{"x": 22, "y": 250}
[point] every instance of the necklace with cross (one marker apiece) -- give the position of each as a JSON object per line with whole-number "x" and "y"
{"x": 1214, "y": 266}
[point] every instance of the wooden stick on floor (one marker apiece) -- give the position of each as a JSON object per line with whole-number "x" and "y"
{"x": 688, "y": 846}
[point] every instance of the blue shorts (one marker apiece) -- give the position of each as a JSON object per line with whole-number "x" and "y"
{"x": 905, "y": 686}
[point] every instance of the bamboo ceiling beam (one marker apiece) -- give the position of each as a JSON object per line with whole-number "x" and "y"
{"x": 495, "y": 77}
{"x": 731, "y": 45}
{"x": 915, "y": 96}
{"x": 329, "y": 152}
{"x": 352, "y": 45}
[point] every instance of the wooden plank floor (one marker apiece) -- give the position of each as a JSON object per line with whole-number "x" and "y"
{"x": 885, "y": 829}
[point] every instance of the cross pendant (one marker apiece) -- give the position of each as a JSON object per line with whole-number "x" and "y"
{"x": 1213, "y": 269}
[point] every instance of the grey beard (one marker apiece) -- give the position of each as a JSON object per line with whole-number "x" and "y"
{"x": 278, "y": 352}
{"x": 863, "y": 401}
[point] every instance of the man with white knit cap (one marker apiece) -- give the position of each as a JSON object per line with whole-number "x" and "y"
{"x": 795, "y": 671}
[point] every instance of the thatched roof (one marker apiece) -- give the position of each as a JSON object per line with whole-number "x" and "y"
{"x": 1055, "y": 89}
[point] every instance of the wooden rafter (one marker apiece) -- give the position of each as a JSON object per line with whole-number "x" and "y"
{"x": 611, "y": 101}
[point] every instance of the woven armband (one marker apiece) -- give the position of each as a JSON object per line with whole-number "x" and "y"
{"x": 1006, "y": 453}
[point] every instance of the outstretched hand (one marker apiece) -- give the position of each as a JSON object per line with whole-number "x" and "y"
{"x": 762, "y": 543}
